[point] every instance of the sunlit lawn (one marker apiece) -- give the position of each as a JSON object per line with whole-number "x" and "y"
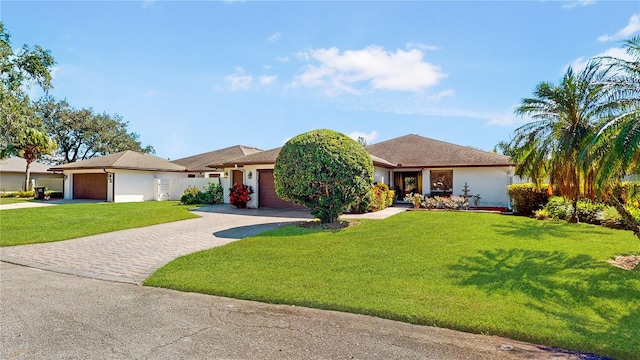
{"x": 13, "y": 200}
{"x": 68, "y": 221}
{"x": 543, "y": 282}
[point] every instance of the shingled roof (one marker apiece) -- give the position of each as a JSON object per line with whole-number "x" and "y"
{"x": 201, "y": 162}
{"x": 261, "y": 158}
{"x": 270, "y": 156}
{"x": 126, "y": 160}
{"x": 418, "y": 151}
{"x": 19, "y": 165}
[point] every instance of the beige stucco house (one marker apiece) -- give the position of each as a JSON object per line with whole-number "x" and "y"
{"x": 12, "y": 175}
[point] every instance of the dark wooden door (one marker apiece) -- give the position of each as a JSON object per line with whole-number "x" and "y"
{"x": 267, "y": 196}
{"x": 90, "y": 186}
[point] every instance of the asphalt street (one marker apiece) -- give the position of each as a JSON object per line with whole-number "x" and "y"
{"x": 49, "y": 315}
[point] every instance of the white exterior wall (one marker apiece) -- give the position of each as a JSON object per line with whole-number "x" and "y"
{"x": 381, "y": 174}
{"x": 489, "y": 182}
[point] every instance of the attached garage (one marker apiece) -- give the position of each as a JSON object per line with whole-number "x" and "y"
{"x": 267, "y": 196}
{"x": 90, "y": 186}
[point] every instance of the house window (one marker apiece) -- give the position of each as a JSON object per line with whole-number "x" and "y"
{"x": 191, "y": 175}
{"x": 441, "y": 182}
{"x": 214, "y": 175}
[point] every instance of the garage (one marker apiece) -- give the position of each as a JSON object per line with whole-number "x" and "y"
{"x": 90, "y": 186}
{"x": 267, "y": 196}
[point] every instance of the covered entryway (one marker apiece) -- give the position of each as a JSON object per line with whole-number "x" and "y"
{"x": 267, "y": 196}
{"x": 90, "y": 186}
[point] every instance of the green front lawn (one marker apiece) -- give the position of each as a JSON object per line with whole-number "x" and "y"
{"x": 69, "y": 221}
{"x": 543, "y": 282}
{"x": 13, "y": 200}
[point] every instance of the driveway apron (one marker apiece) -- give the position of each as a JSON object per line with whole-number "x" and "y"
{"x": 132, "y": 255}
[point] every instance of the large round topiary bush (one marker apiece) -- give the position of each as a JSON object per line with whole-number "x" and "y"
{"x": 323, "y": 170}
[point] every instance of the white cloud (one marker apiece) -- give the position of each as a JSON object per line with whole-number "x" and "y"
{"x": 576, "y": 3}
{"x": 417, "y": 45}
{"x": 632, "y": 27}
{"x": 282, "y": 59}
{"x": 369, "y": 138}
{"x": 266, "y": 80}
{"x": 580, "y": 63}
{"x": 440, "y": 95}
{"x": 274, "y": 37}
{"x": 380, "y": 69}
{"x": 238, "y": 80}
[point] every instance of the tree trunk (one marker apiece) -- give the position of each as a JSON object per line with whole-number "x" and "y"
{"x": 27, "y": 177}
{"x": 574, "y": 215}
{"x": 628, "y": 219}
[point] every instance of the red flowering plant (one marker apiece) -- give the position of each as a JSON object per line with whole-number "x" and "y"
{"x": 240, "y": 195}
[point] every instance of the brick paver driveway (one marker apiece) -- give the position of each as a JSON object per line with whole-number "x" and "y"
{"x": 132, "y": 255}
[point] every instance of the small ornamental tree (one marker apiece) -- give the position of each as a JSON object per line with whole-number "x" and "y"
{"x": 325, "y": 171}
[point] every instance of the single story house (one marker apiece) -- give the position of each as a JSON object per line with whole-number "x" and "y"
{"x": 12, "y": 175}
{"x": 410, "y": 163}
{"x": 123, "y": 177}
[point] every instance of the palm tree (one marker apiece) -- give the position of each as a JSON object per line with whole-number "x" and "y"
{"x": 564, "y": 123}
{"x": 29, "y": 144}
{"x": 617, "y": 142}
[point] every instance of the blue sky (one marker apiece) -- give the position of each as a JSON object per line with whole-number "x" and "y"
{"x": 192, "y": 77}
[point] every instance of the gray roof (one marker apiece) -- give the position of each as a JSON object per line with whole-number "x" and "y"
{"x": 201, "y": 162}
{"x": 19, "y": 165}
{"x": 127, "y": 160}
{"x": 418, "y": 151}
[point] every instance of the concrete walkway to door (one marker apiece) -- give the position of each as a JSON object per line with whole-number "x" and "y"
{"x": 132, "y": 255}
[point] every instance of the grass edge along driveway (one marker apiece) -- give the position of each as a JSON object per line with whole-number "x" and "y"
{"x": 70, "y": 221}
{"x": 541, "y": 282}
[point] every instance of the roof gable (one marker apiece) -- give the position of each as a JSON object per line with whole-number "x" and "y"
{"x": 418, "y": 151}
{"x": 129, "y": 160}
{"x": 202, "y": 161}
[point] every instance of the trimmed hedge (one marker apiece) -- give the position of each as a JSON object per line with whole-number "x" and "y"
{"x": 526, "y": 199}
{"x": 378, "y": 198}
{"x": 324, "y": 170}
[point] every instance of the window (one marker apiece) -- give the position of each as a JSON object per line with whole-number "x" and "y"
{"x": 442, "y": 181}
{"x": 191, "y": 175}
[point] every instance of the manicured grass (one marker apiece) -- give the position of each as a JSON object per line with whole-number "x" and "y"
{"x": 62, "y": 222}
{"x": 13, "y": 200}
{"x": 543, "y": 282}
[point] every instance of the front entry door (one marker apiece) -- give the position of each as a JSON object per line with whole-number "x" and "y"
{"x": 407, "y": 183}
{"x": 237, "y": 177}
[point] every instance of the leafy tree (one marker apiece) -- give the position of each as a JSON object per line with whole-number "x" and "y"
{"x": 83, "y": 134}
{"x": 18, "y": 71}
{"x": 323, "y": 170}
{"x": 564, "y": 123}
{"x": 29, "y": 144}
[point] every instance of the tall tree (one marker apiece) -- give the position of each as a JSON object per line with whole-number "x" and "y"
{"x": 18, "y": 72}
{"x": 564, "y": 123}
{"x": 617, "y": 143}
{"x": 83, "y": 134}
{"x": 29, "y": 144}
